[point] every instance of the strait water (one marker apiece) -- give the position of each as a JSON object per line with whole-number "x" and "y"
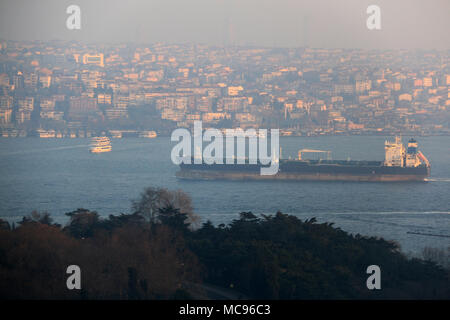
{"x": 60, "y": 175}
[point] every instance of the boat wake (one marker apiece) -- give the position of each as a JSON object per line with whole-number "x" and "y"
{"x": 437, "y": 179}
{"x": 343, "y": 214}
{"x": 43, "y": 150}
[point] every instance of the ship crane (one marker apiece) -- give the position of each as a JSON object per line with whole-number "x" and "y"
{"x": 423, "y": 158}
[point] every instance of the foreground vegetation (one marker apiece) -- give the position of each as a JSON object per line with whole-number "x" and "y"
{"x": 154, "y": 253}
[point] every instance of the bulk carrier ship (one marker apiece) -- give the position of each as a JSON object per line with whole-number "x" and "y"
{"x": 400, "y": 164}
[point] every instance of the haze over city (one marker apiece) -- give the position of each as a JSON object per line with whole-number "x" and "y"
{"x": 288, "y": 23}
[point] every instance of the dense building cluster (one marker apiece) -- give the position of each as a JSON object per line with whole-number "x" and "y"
{"x": 61, "y": 89}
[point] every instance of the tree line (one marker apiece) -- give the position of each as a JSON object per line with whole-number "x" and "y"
{"x": 160, "y": 250}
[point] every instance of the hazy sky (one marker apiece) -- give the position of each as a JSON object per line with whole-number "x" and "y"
{"x": 316, "y": 23}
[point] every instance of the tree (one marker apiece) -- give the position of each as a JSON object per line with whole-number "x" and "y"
{"x": 283, "y": 257}
{"x": 38, "y": 217}
{"x": 4, "y": 225}
{"x": 172, "y": 217}
{"x": 439, "y": 256}
{"x": 153, "y": 199}
{"x": 82, "y": 223}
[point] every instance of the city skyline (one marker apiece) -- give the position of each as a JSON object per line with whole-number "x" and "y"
{"x": 67, "y": 89}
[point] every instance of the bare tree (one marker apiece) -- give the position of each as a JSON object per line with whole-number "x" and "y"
{"x": 153, "y": 199}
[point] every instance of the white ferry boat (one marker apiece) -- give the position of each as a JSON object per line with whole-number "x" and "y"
{"x": 100, "y": 144}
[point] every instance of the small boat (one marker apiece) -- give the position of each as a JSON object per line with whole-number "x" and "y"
{"x": 100, "y": 145}
{"x": 147, "y": 134}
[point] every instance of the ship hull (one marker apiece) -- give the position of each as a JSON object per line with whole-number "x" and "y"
{"x": 364, "y": 171}
{"x": 217, "y": 175}
{"x": 99, "y": 151}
